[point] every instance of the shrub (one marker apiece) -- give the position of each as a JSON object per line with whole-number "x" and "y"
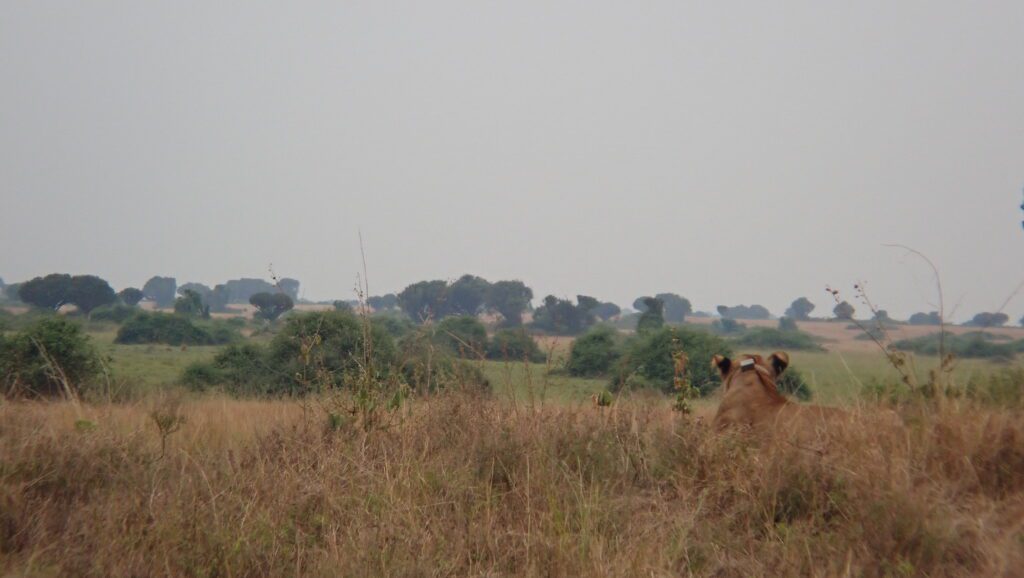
{"x": 653, "y": 316}
{"x": 594, "y": 353}
{"x": 963, "y": 346}
{"x": 464, "y": 335}
{"x": 394, "y": 322}
{"x": 426, "y": 368}
{"x": 788, "y": 324}
{"x": 766, "y": 337}
{"x": 25, "y": 359}
{"x": 241, "y": 369}
{"x": 648, "y": 360}
{"x": 113, "y": 313}
{"x": 514, "y": 344}
{"x": 792, "y": 382}
{"x": 145, "y": 327}
{"x": 726, "y": 326}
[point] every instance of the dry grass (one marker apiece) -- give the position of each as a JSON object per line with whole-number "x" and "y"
{"x": 462, "y": 485}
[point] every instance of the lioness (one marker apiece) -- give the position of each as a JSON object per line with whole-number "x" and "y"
{"x": 750, "y": 397}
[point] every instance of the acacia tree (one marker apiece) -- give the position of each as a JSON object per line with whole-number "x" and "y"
{"x": 652, "y": 319}
{"x": 290, "y": 287}
{"x": 606, "y": 310}
{"x": 675, "y": 308}
{"x": 424, "y": 300}
{"x": 800, "y": 309}
{"x": 88, "y": 292}
{"x": 843, "y": 311}
{"x": 50, "y": 292}
{"x": 510, "y": 299}
{"x": 466, "y": 296}
{"x": 161, "y": 290}
{"x": 191, "y": 304}
{"x": 562, "y": 317}
{"x": 130, "y": 296}
{"x": 270, "y": 306}
{"x": 986, "y": 319}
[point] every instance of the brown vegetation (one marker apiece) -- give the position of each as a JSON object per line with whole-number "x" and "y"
{"x": 463, "y": 485}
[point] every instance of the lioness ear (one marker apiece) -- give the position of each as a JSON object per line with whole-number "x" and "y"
{"x": 779, "y": 361}
{"x": 721, "y": 364}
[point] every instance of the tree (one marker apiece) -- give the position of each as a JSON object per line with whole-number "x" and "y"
{"x": 88, "y": 292}
{"x": 27, "y": 359}
{"x": 130, "y": 296}
{"x": 675, "y": 308}
{"x": 514, "y": 345}
{"x": 240, "y": 290}
{"x": 424, "y": 300}
{"x": 843, "y": 311}
{"x": 382, "y": 302}
{"x": 190, "y": 304}
{"x": 606, "y": 310}
{"x": 989, "y": 320}
{"x": 510, "y": 299}
{"x": 11, "y": 291}
{"x": 218, "y": 298}
{"x": 744, "y": 312}
{"x": 652, "y": 319}
{"x": 882, "y": 316}
{"x": 161, "y": 290}
{"x": 932, "y": 318}
{"x": 562, "y": 317}
{"x": 270, "y": 306}
{"x": 290, "y": 287}
{"x": 467, "y": 295}
{"x": 800, "y": 309}
{"x": 788, "y": 324}
{"x": 50, "y": 292}
{"x": 594, "y": 353}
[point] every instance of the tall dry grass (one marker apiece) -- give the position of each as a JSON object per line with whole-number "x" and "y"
{"x": 464, "y": 485}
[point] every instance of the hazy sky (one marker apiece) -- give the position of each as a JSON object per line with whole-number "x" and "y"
{"x": 733, "y": 152}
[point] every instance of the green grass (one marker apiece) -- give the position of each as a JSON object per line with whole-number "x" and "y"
{"x": 536, "y": 381}
{"x": 149, "y": 366}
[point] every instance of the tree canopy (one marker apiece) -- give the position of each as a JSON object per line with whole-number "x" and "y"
{"x": 800, "y": 309}
{"x": 161, "y": 290}
{"x": 270, "y": 306}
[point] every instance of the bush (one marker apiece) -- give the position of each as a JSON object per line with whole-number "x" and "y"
{"x": 113, "y": 313}
{"x": 464, "y": 335}
{"x": 169, "y": 329}
{"x": 788, "y": 324}
{"x": 25, "y": 359}
{"x": 395, "y": 323}
{"x": 792, "y": 383}
{"x": 648, "y": 360}
{"x": 514, "y": 345}
{"x": 726, "y": 326}
{"x": 964, "y": 346}
{"x": 425, "y": 368}
{"x": 240, "y": 369}
{"x": 594, "y": 353}
{"x": 766, "y": 337}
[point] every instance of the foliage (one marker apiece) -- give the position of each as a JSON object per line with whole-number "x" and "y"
{"x": 147, "y": 327}
{"x": 463, "y": 335}
{"x": 843, "y": 311}
{"x": 675, "y": 308}
{"x": 649, "y": 362}
{"x": 800, "y": 309}
{"x": 241, "y": 290}
{"x": 394, "y": 322}
{"x": 988, "y": 320}
{"x": 932, "y": 318}
{"x": 50, "y": 292}
{"x": 11, "y": 292}
{"x": 290, "y": 287}
{"x": 426, "y": 368}
{"x": 652, "y": 318}
{"x": 594, "y": 353}
{"x": 424, "y": 300}
{"x": 466, "y": 296}
{"x": 190, "y": 304}
{"x": 562, "y": 317}
{"x": 130, "y": 296}
{"x": 964, "y": 346}
{"x": 606, "y": 310}
{"x": 270, "y": 306}
{"x": 382, "y": 302}
{"x": 514, "y": 344}
{"x": 510, "y": 299}
{"x": 161, "y": 290}
{"x": 241, "y": 369}
{"x": 767, "y": 337}
{"x": 744, "y": 312}
{"x": 727, "y": 326}
{"x": 117, "y": 313}
{"x": 47, "y": 358}
{"x": 87, "y": 292}
{"x": 788, "y": 324}
{"x": 792, "y": 383}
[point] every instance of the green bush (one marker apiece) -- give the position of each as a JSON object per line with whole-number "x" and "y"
{"x": 964, "y": 346}
{"x": 170, "y": 329}
{"x": 117, "y": 313}
{"x": 427, "y": 368}
{"x": 594, "y": 353}
{"x": 767, "y": 337}
{"x": 394, "y": 322}
{"x": 514, "y": 345}
{"x": 25, "y": 359}
{"x": 727, "y": 326}
{"x": 793, "y": 383}
{"x": 464, "y": 335}
{"x": 648, "y": 360}
{"x": 241, "y": 369}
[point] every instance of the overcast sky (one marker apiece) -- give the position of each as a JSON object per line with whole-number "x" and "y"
{"x": 732, "y": 152}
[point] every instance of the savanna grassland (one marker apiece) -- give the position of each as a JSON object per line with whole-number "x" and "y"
{"x": 528, "y": 479}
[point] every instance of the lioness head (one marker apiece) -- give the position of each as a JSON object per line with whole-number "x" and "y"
{"x": 750, "y": 371}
